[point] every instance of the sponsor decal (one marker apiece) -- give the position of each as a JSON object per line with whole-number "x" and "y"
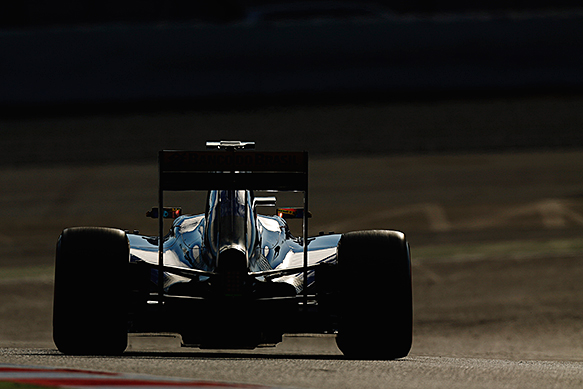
{"x": 281, "y": 212}
{"x": 167, "y": 213}
{"x": 291, "y": 213}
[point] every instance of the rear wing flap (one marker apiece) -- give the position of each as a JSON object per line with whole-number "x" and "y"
{"x": 233, "y": 169}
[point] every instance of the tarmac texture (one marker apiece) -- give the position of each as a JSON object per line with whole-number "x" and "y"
{"x": 497, "y": 249}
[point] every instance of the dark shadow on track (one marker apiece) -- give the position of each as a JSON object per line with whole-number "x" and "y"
{"x": 185, "y": 355}
{"x": 197, "y": 355}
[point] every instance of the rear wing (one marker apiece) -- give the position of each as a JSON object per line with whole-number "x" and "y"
{"x": 232, "y": 168}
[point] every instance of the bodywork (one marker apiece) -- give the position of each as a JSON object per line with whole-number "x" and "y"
{"x": 276, "y": 250}
{"x": 231, "y": 277}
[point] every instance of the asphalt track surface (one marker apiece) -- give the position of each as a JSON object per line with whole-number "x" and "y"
{"x": 497, "y": 266}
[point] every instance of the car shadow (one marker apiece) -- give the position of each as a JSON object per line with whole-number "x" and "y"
{"x": 203, "y": 354}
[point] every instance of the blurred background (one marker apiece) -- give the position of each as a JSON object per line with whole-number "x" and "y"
{"x": 116, "y": 81}
{"x": 457, "y": 122}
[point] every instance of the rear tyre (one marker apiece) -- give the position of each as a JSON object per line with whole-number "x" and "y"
{"x": 376, "y": 302}
{"x": 90, "y": 296}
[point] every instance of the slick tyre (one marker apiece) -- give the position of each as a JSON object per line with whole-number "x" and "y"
{"x": 90, "y": 296}
{"x": 375, "y": 297}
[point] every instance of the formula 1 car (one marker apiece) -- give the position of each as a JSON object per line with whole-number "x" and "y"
{"x": 230, "y": 277}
